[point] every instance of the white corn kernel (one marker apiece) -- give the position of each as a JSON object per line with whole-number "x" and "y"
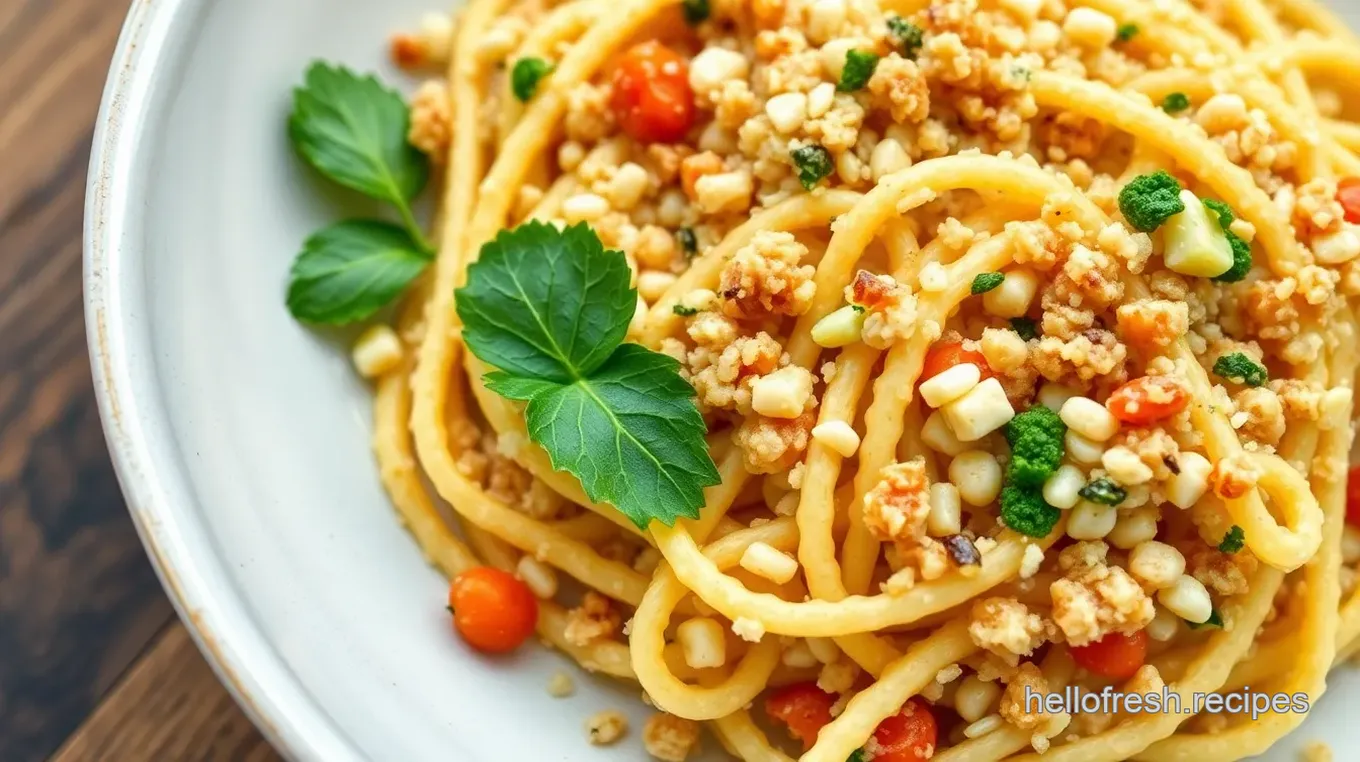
{"x": 840, "y": 328}
{"x": 627, "y": 187}
{"x": 783, "y": 393}
{"x": 725, "y": 191}
{"x": 983, "y": 726}
{"x": 584, "y": 207}
{"x": 1187, "y": 487}
{"x": 1060, "y": 490}
{"x": 1337, "y": 247}
{"x": 715, "y": 66}
{"x": 934, "y": 278}
{"x": 653, "y": 284}
{"x": 838, "y": 435}
{"x": 703, "y": 643}
{"x": 768, "y": 562}
{"x": 981, "y": 411}
{"x": 977, "y": 476}
{"x": 824, "y": 19}
{"x": 1157, "y": 564}
{"x": 1004, "y": 350}
{"x": 787, "y": 111}
{"x": 825, "y": 649}
{"x": 1024, "y": 10}
{"x": 1124, "y": 466}
{"x": 1089, "y": 27}
{"x": 820, "y": 99}
{"x": 1081, "y": 449}
{"x": 946, "y": 512}
{"x": 1134, "y": 527}
{"x": 1164, "y": 625}
{"x": 1090, "y": 521}
{"x": 377, "y": 351}
{"x": 1089, "y": 418}
{"x": 1187, "y": 599}
{"x": 949, "y": 385}
{"x": 833, "y": 54}
{"x": 639, "y": 320}
{"x": 1012, "y": 298}
{"x": 975, "y": 698}
{"x": 1053, "y": 396}
{"x": 540, "y": 578}
{"x": 888, "y": 157}
{"x": 798, "y": 656}
{"x": 937, "y": 435}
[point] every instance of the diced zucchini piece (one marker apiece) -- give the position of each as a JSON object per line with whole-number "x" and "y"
{"x": 840, "y": 328}
{"x": 1195, "y": 242}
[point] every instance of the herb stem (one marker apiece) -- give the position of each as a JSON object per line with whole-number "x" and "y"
{"x": 408, "y": 219}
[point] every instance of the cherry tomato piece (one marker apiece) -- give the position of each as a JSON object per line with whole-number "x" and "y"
{"x": 652, "y": 99}
{"x": 1348, "y": 195}
{"x": 1147, "y": 399}
{"x": 908, "y": 736}
{"x": 1353, "y": 497}
{"x": 944, "y": 355}
{"x": 1116, "y": 656}
{"x": 803, "y": 707}
{"x": 493, "y": 611}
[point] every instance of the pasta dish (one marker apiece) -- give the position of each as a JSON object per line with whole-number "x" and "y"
{"x": 844, "y": 372}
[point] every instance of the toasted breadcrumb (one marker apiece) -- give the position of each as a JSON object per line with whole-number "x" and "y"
{"x": 670, "y": 738}
{"x": 606, "y": 727}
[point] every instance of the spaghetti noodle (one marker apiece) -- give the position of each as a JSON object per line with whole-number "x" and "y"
{"x": 959, "y": 183}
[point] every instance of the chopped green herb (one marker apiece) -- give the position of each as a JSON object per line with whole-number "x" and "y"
{"x": 1174, "y": 103}
{"x": 688, "y": 242}
{"x": 1036, "y": 440}
{"x": 856, "y": 756}
{"x": 1126, "y": 32}
{"x": 1233, "y": 540}
{"x": 858, "y": 308}
{"x": 549, "y": 310}
{"x": 813, "y": 163}
{"x": 984, "y": 282}
{"x": 908, "y": 36}
{"x": 859, "y": 67}
{"x": 1241, "y": 369}
{"x": 525, "y": 76}
{"x": 1103, "y": 491}
{"x": 696, "y": 11}
{"x": 352, "y": 130}
{"x": 684, "y": 311}
{"x": 1241, "y": 250}
{"x": 1026, "y": 327}
{"x": 1214, "y": 620}
{"x": 1148, "y": 200}
{"x": 1024, "y": 510}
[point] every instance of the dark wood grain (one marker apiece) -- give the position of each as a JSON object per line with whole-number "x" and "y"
{"x": 168, "y": 707}
{"x": 78, "y": 601}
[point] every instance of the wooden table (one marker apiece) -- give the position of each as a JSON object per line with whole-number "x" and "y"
{"x": 93, "y": 662}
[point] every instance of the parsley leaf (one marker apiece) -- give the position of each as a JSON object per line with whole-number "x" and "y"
{"x": 909, "y": 37}
{"x": 695, "y": 11}
{"x": 683, "y": 311}
{"x": 1103, "y": 491}
{"x": 525, "y": 76}
{"x": 813, "y": 163}
{"x": 689, "y": 243}
{"x": 1026, "y": 327}
{"x": 984, "y": 282}
{"x": 1214, "y": 620}
{"x": 353, "y": 131}
{"x": 1126, "y": 32}
{"x": 1174, "y": 103}
{"x": 1234, "y": 540}
{"x": 549, "y": 309}
{"x": 349, "y": 270}
{"x": 859, "y": 67}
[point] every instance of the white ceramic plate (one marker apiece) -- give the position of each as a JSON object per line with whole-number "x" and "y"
{"x": 241, "y": 438}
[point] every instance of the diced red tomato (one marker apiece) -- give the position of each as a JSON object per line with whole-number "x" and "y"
{"x": 944, "y": 355}
{"x": 1147, "y": 399}
{"x": 1353, "y": 497}
{"x": 1116, "y": 656}
{"x": 908, "y": 736}
{"x": 493, "y": 611}
{"x": 652, "y": 99}
{"x": 803, "y": 708}
{"x": 1348, "y": 195}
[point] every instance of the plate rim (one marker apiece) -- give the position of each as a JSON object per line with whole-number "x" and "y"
{"x": 236, "y": 648}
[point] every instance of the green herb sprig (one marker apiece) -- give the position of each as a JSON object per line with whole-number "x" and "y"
{"x": 549, "y": 309}
{"x": 352, "y": 130}
{"x": 526, "y": 75}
